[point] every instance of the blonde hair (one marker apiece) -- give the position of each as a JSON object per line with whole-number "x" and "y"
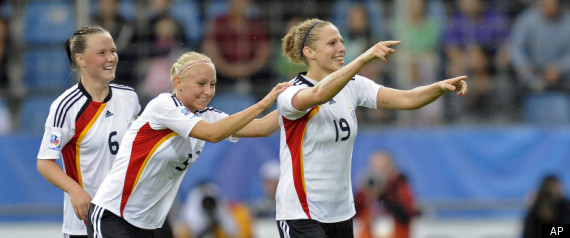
{"x": 184, "y": 62}
{"x": 299, "y": 36}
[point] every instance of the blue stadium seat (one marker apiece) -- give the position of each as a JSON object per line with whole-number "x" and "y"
{"x": 33, "y": 114}
{"x": 231, "y": 103}
{"x": 48, "y": 22}
{"x": 46, "y": 71}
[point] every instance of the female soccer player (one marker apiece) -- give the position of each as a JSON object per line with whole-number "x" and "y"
{"x": 318, "y": 127}
{"x": 85, "y": 125}
{"x": 168, "y": 137}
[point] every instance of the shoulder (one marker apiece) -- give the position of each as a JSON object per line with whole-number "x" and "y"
{"x": 301, "y": 80}
{"x": 70, "y": 96}
{"x": 122, "y": 89}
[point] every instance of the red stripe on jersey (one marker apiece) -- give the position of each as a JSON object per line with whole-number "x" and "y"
{"x": 294, "y": 134}
{"x": 145, "y": 144}
{"x": 71, "y": 151}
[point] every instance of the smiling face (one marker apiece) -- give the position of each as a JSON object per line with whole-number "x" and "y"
{"x": 196, "y": 86}
{"x": 328, "y": 52}
{"x": 99, "y": 61}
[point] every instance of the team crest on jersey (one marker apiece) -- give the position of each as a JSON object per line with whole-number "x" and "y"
{"x": 54, "y": 142}
{"x": 185, "y": 111}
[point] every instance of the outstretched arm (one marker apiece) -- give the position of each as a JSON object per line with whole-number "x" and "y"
{"x": 389, "y": 98}
{"x": 334, "y": 82}
{"x": 214, "y": 132}
{"x": 262, "y": 127}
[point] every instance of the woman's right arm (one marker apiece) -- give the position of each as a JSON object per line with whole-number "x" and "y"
{"x": 327, "y": 88}
{"x": 217, "y": 131}
{"x": 55, "y": 175}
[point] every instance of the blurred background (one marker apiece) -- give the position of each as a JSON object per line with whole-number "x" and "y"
{"x": 473, "y": 166}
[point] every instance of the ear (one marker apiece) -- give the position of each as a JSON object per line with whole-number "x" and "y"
{"x": 80, "y": 60}
{"x": 308, "y": 52}
{"x": 177, "y": 81}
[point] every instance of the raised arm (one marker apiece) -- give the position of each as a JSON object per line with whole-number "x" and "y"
{"x": 389, "y": 98}
{"x": 334, "y": 82}
{"x": 214, "y": 132}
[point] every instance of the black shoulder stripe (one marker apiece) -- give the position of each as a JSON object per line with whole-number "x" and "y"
{"x": 123, "y": 87}
{"x": 300, "y": 80}
{"x": 69, "y": 107}
{"x": 208, "y": 109}
{"x": 177, "y": 102}
{"x": 64, "y": 106}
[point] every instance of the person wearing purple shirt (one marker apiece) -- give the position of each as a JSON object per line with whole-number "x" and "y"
{"x": 475, "y": 24}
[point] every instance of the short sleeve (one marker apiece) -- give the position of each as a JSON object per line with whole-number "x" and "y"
{"x": 55, "y": 138}
{"x": 168, "y": 115}
{"x": 284, "y": 105}
{"x": 365, "y": 91}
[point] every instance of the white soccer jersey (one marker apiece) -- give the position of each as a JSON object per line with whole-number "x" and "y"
{"x": 316, "y": 152}
{"x": 87, "y": 135}
{"x": 155, "y": 154}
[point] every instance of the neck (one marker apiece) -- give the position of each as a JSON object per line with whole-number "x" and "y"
{"x": 97, "y": 90}
{"x": 316, "y": 75}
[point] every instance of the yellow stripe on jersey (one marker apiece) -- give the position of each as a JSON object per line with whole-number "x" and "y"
{"x": 80, "y": 139}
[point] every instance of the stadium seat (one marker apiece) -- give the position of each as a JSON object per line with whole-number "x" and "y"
{"x": 33, "y": 114}
{"x": 46, "y": 71}
{"x": 48, "y": 22}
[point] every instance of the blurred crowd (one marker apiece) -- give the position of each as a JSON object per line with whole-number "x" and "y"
{"x": 515, "y": 52}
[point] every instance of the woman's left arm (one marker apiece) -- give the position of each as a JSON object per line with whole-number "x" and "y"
{"x": 389, "y": 98}
{"x": 262, "y": 127}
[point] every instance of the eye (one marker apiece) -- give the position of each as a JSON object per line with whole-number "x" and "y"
{"x": 212, "y": 85}
{"x": 201, "y": 84}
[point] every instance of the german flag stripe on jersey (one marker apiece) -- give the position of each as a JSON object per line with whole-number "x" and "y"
{"x": 294, "y": 133}
{"x": 72, "y": 150}
{"x": 145, "y": 144}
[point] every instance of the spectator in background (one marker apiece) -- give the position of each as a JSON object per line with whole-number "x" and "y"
{"x": 384, "y": 192}
{"x": 366, "y": 197}
{"x": 123, "y": 31}
{"x": 475, "y": 23}
{"x": 239, "y": 45}
{"x": 359, "y": 36}
{"x": 264, "y": 208}
{"x": 396, "y": 197}
{"x": 4, "y": 79}
{"x": 167, "y": 43}
{"x": 541, "y": 59}
{"x": 5, "y": 112}
{"x": 549, "y": 206}
{"x": 417, "y": 61}
{"x": 283, "y": 67}
{"x": 206, "y": 214}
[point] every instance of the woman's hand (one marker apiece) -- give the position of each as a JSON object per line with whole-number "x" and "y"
{"x": 80, "y": 200}
{"x": 456, "y": 84}
{"x": 270, "y": 98}
{"x": 380, "y": 50}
